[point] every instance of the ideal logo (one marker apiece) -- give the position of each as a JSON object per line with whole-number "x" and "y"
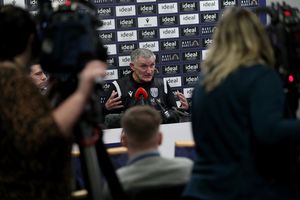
{"x": 108, "y": 24}
{"x": 111, "y": 49}
{"x": 190, "y": 80}
{"x": 168, "y": 20}
{"x": 190, "y": 43}
{"x": 228, "y": 3}
{"x": 191, "y": 56}
{"x": 148, "y": 34}
{"x": 147, "y": 9}
{"x": 165, "y": 33}
{"x": 56, "y": 2}
{"x": 107, "y": 37}
{"x": 126, "y": 23}
{"x": 144, "y": 1}
{"x": 170, "y": 57}
{"x": 124, "y": 36}
{"x": 14, "y": 3}
{"x": 189, "y": 19}
{"x": 206, "y": 42}
{"x": 209, "y": 17}
{"x": 249, "y": 2}
{"x": 169, "y": 45}
{"x": 188, "y": 92}
{"x": 204, "y": 54}
{"x": 126, "y": 48}
{"x": 164, "y": 8}
{"x": 124, "y": 72}
{"x": 102, "y": 1}
{"x": 105, "y": 12}
{"x": 147, "y": 22}
{"x": 153, "y": 46}
{"x": 34, "y": 13}
{"x": 205, "y": 30}
{"x": 191, "y": 68}
{"x": 106, "y": 86}
{"x": 190, "y": 31}
{"x": 174, "y": 91}
{"x": 111, "y": 74}
{"x": 209, "y": 5}
{"x": 125, "y": 1}
{"x": 125, "y": 11}
{"x": 173, "y": 81}
{"x": 171, "y": 69}
{"x": 111, "y": 61}
{"x": 124, "y": 61}
{"x": 188, "y": 6}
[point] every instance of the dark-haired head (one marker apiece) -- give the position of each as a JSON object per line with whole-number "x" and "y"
{"x": 17, "y": 30}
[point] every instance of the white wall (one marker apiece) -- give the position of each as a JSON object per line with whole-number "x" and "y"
{"x": 293, "y": 3}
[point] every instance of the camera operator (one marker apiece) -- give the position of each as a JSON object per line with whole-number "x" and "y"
{"x": 35, "y": 140}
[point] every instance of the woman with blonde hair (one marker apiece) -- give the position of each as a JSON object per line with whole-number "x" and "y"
{"x": 246, "y": 149}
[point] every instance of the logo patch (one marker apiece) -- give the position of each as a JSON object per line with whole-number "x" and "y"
{"x": 154, "y": 92}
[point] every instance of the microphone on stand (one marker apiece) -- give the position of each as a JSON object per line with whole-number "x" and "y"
{"x": 141, "y": 95}
{"x": 165, "y": 112}
{"x": 168, "y": 116}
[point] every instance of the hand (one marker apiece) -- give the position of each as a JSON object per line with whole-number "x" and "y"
{"x": 183, "y": 101}
{"x": 92, "y": 70}
{"x": 114, "y": 101}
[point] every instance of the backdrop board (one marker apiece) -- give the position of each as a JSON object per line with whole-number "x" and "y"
{"x": 178, "y": 32}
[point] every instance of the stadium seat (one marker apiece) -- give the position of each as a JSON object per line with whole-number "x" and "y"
{"x": 185, "y": 148}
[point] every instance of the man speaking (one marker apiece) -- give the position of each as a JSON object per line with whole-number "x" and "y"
{"x": 140, "y": 87}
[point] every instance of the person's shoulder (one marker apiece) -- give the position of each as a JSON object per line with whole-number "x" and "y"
{"x": 158, "y": 80}
{"x": 257, "y": 69}
{"x": 9, "y": 70}
{"x": 124, "y": 79}
{"x": 180, "y": 161}
{"x": 9, "y": 67}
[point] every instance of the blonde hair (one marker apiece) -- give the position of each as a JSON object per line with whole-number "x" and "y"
{"x": 239, "y": 40}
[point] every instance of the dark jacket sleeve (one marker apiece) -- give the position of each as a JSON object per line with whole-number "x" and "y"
{"x": 266, "y": 111}
{"x": 170, "y": 98}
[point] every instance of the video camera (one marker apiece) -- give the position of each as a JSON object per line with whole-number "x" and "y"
{"x": 284, "y": 33}
{"x": 68, "y": 37}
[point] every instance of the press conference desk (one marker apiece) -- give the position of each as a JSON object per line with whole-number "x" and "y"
{"x": 171, "y": 133}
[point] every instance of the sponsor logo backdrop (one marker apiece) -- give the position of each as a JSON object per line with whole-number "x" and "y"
{"x": 178, "y": 32}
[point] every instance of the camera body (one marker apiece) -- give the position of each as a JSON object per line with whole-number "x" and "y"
{"x": 284, "y": 34}
{"x": 68, "y": 37}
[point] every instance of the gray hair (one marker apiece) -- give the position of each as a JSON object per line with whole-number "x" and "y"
{"x": 141, "y": 52}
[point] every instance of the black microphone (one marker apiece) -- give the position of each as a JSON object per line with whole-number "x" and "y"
{"x": 165, "y": 112}
{"x": 183, "y": 113}
{"x": 141, "y": 95}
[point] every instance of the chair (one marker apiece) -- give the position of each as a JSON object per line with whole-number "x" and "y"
{"x": 79, "y": 194}
{"x": 185, "y": 148}
{"x": 156, "y": 192}
{"x": 118, "y": 156}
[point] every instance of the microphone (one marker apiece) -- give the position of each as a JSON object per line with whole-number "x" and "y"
{"x": 141, "y": 95}
{"x": 183, "y": 113}
{"x": 165, "y": 112}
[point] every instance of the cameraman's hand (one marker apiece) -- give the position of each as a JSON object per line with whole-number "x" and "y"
{"x": 87, "y": 76}
{"x": 113, "y": 102}
{"x": 68, "y": 112}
